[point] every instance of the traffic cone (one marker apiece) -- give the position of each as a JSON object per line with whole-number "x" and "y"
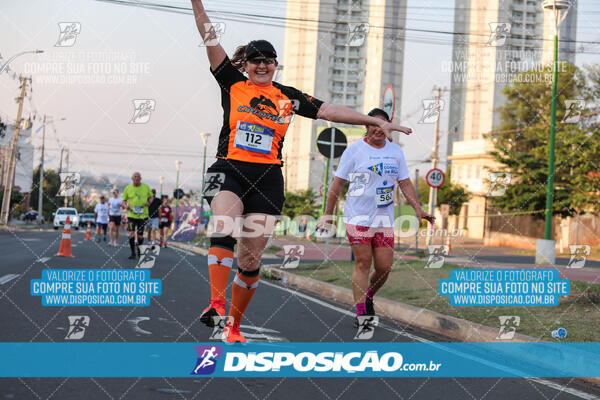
{"x": 65, "y": 243}
{"x": 88, "y": 233}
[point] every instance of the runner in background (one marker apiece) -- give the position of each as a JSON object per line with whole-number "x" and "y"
{"x": 114, "y": 218}
{"x": 166, "y": 218}
{"x": 152, "y": 226}
{"x": 369, "y": 209}
{"x": 101, "y": 218}
{"x": 136, "y": 201}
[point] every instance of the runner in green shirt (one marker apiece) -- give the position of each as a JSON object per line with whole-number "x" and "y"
{"x": 135, "y": 200}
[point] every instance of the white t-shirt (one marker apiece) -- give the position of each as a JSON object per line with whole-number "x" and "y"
{"x": 372, "y": 174}
{"x": 115, "y": 206}
{"x": 102, "y": 213}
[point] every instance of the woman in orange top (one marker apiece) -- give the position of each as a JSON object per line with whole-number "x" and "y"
{"x": 247, "y": 174}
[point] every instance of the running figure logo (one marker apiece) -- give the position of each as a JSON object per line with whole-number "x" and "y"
{"x": 77, "y": 326}
{"x": 366, "y": 326}
{"x": 358, "y": 183}
{"x": 213, "y": 34}
{"x": 142, "y": 110}
{"x": 220, "y": 323}
{"x": 213, "y": 182}
{"x": 69, "y": 181}
{"x": 579, "y": 253}
{"x": 148, "y": 255}
{"x": 499, "y": 33}
{"x": 573, "y": 110}
{"x": 293, "y": 253}
{"x": 357, "y": 33}
{"x": 68, "y": 33}
{"x": 207, "y": 359}
{"x": 437, "y": 255}
{"x": 186, "y": 226}
{"x": 508, "y": 327}
{"x": 287, "y": 109}
{"x": 431, "y": 110}
{"x": 499, "y": 182}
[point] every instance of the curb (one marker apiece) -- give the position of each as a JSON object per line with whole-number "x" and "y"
{"x": 451, "y": 327}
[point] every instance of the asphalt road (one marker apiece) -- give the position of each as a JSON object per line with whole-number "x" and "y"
{"x": 277, "y": 313}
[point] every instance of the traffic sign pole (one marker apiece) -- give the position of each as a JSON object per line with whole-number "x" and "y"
{"x": 331, "y": 144}
{"x": 435, "y": 179}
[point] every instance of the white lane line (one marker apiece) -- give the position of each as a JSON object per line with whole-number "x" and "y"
{"x": 8, "y": 278}
{"x": 550, "y": 384}
{"x": 133, "y": 324}
{"x": 43, "y": 259}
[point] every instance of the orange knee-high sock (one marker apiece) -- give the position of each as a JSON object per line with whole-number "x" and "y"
{"x": 242, "y": 290}
{"x": 219, "y": 266}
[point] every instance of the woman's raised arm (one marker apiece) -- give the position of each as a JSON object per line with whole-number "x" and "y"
{"x": 214, "y": 50}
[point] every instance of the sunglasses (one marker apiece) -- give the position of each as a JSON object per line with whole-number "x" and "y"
{"x": 257, "y": 61}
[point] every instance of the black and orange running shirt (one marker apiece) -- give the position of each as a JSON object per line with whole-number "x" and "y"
{"x": 256, "y": 118}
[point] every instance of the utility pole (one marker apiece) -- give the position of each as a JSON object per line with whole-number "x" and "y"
{"x": 8, "y": 186}
{"x": 418, "y": 222}
{"x": 434, "y": 160}
{"x": 67, "y": 163}
{"x": 41, "y": 171}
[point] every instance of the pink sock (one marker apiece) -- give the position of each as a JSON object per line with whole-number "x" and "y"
{"x": 370, "y": 294}
{"x": 361, "y": 309}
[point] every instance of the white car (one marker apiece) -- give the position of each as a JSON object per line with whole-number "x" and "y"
{"x": 60, "y": 216}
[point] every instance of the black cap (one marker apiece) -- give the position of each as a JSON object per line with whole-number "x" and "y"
{"x": 260, "y": 49}
{"x": 378, "y": 111}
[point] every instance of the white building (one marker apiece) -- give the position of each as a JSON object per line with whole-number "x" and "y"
{"x": 501, "y": 38}
{"x": 348, "y": 57}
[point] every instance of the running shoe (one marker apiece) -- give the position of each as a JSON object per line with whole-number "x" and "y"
{"x": 132, "y": 256}
{"x": 233, "y": 334}
{"x": 216, "y": 308}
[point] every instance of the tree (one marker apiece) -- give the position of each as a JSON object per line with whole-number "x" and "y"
{"x": 50, "y": 191}
{"x": 521, "y": 148}
{"x": 300, "y": 203}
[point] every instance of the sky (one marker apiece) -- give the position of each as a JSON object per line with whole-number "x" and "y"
{"x": 122, "y": 54}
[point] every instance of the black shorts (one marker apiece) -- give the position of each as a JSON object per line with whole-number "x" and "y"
{"x": 162, "y": 225}
{"x": 136, "y": 224}
{"x": 102, "y": 226}
{"x": 259, "y": 186}
{"x": 115, "y": 219}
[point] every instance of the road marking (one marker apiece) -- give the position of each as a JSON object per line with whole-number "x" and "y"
{"x": 133, "y": 324}
{"x": 43, "y": 260}
{"x": 8, "y": 278}
{"x": 550, "y": 384}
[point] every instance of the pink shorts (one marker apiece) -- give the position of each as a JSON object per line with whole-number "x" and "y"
{"x": 374, "y": 237}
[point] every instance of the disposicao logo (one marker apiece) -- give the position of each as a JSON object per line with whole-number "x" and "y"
{"x": 207, "y": 359}
{"x": 319, "y": 362}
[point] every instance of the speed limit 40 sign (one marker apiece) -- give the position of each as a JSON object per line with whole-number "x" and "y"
{"x": 435, "y": 178}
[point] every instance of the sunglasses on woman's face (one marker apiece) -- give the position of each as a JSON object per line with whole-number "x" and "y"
{"x": 257, "y": 61}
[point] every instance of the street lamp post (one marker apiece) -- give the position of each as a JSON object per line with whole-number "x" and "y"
{"x": 41, "y": 171}
{"x": 3, "y": 67}
{"x": 204, "y": 136}
{"x": 546, "y": 248}
{"x": 161, "y": 179}
{"x": 177, "y": 167}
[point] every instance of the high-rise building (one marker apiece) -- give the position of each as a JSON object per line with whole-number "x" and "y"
{"x": 504, "y": 38}
{"x": 344, "y": 52}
